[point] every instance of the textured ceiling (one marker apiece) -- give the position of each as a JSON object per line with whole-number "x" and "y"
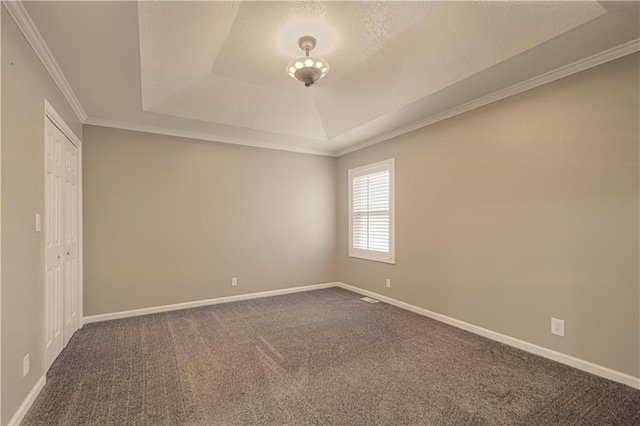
{"x": 217, "y": 68}
{"x": 224, "y": 62}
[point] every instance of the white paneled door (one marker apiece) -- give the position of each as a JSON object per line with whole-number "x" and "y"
{"x": 61, "y": 241}
{"x": 70, "y": 240}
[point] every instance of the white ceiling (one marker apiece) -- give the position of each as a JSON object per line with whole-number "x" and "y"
{"x": 216, "y": 70}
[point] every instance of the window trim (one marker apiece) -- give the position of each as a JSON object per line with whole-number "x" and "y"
{"x": 376, "y": 256}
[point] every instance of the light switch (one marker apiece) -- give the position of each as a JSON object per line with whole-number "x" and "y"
{"x": 38, "y": 223}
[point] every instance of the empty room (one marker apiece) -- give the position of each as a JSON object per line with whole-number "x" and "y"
{"x": 320, "y": 213}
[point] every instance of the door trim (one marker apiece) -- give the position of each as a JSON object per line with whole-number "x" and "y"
{"x": 51, "y": 114}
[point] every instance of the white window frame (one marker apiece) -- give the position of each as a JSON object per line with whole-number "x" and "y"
{"x": 373, "y": 255}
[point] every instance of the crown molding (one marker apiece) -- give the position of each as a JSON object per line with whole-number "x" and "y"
{"x": 564, "y": 71}
{"x": 21, "y": 17}
{"x": 203, "y": 136}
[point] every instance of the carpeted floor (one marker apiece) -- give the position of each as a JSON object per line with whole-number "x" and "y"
{"x": 319, "y": 357}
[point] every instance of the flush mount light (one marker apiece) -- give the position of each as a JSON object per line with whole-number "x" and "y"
{"x": 307, "y": 69}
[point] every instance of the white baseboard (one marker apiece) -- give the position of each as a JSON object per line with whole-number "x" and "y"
{"x": 28, "y": 401}
{"x": 206, "y": 302}
{"x": 571, "y": 361}
{"x": 578, "y": 363}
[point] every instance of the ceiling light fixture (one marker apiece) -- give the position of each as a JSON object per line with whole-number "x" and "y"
{"x": 307, "y": 69}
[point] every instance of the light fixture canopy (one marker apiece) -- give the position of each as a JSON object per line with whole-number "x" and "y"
{"x": 307, "y": 69}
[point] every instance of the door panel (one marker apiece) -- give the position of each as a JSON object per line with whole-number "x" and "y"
{"x": 71, "y": 245}
{"x": 54, "y": 338}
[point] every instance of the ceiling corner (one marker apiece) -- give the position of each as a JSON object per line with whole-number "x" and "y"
{"x": 22, "y": 19}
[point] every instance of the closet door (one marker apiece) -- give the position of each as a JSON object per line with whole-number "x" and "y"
{"x": 54, "y": 244}
{"x": 70, "y": 240}
{"x": 62, "y": 222}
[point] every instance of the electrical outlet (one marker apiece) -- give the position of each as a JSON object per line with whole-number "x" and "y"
{"x": 388, "y": 283}
{"x": 234, "y": 281}
{"x": 557, "y": 327}
{"x": 38, "y": 222}
{"x": 25, "y": 366}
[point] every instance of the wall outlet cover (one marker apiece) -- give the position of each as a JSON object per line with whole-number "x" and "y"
{"x": 557, "y": 327}
{"x": 25, "y": 366}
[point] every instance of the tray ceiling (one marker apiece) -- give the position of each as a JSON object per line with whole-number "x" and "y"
{"x": 216, "y": 69}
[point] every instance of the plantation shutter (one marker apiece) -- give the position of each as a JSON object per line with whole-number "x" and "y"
{"x": 371, "y": 212}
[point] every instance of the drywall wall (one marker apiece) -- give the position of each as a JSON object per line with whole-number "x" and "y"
{"x": 520, "y": 211}
{"x": 170, "y": 220}
{"x": 25, "y": 86}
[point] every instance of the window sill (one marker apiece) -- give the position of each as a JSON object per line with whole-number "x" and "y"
{"x": 372, "y": 259}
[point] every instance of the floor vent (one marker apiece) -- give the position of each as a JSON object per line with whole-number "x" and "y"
{"x": 368, "y": 299}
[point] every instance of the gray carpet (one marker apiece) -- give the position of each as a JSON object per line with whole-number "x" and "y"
{"x": 321, "y": 357}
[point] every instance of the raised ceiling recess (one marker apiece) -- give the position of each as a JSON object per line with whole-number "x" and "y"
{"x": 214, "y": 70}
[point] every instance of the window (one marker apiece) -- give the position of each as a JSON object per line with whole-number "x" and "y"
{"x": 371, "y": 212}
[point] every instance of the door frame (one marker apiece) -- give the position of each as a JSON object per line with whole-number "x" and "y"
{"x": 51, "y": 114}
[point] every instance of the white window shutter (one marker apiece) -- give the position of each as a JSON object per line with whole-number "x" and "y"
{"x": 371, "y": 211}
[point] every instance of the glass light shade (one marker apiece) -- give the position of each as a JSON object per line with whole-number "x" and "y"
{"x": 307, "y": 67}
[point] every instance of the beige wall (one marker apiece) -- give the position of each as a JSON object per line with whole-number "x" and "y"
{"x": 25, "y": 86}
{"x": 170, "y": 220}
{"x": 519, "y": 211}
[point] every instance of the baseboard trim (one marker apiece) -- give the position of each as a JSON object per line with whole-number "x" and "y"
{"x": 206, "y": 302}
{"x": 571, "y": 361}
{"x": 28, "y": 401}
